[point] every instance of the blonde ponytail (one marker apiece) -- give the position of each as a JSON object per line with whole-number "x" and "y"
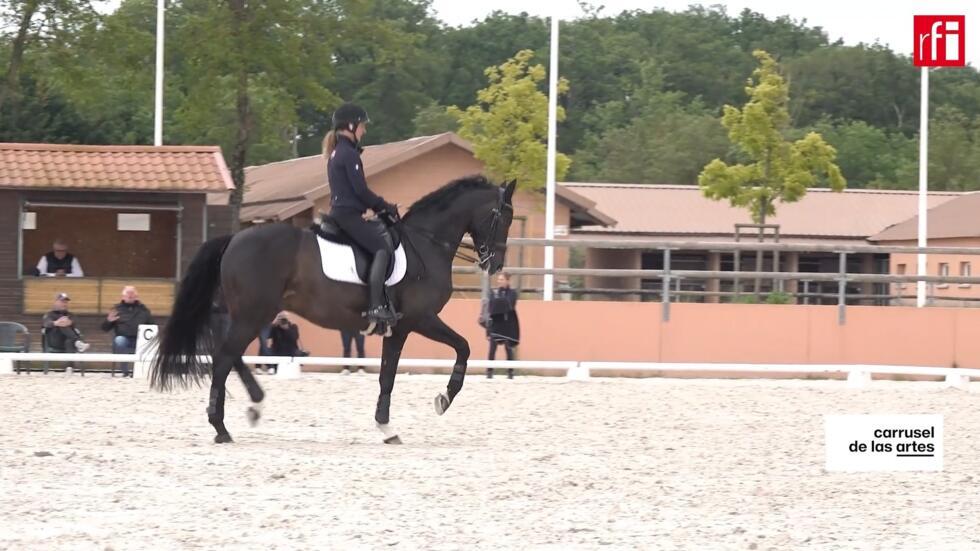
{"x": 329, "y": 143}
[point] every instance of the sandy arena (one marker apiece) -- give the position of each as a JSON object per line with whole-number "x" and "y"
{"x": 537, "y": 463}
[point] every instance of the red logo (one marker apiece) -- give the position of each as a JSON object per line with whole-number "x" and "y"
{"x": 940, "y": 41}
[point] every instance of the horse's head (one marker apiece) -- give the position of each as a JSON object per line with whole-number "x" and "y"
{"x": 490, "y": 227}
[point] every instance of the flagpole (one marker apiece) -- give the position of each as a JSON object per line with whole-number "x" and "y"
{"x": 158, "y": 100}
{"x": 920, "y": 299}
{"x": 549, "y": 225}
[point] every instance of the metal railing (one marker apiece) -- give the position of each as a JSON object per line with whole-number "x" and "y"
{"x": 668, "y": 275}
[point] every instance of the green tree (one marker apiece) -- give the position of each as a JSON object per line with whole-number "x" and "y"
{"x": 954, "y": 151}
{"x": 866, "y": 83}
{"x": 385, "y": 60}
{"x": 434, "y": 119}
{"x": 108, "y": 73}
{"x": 868, "y": 156}
{"x": 45, "y": 23}
{"x": 651, "y": 136}
{"x": 509, "y": 126}
{"x": 776, "y": 169}
{"x": 243, "y": 87}
{"x": 780, "y": 170}
{"x": 467, "y": 51}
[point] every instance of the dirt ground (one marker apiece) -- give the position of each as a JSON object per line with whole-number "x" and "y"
{"x": 533, "y": 463}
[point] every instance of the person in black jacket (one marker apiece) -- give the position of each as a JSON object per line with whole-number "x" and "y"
{"x": 350, "y": 198}
{"x": 60, "y": 332}
{"x": 499, "y": 316}
{"x": 284, "y": 337}
{"x": 59, "y": 262}
{"x": 124, "y": 321}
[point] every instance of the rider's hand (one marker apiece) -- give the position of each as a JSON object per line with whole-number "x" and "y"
{"x": 390, "y": 211}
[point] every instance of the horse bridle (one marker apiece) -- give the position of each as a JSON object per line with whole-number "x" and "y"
{"x": 486, "y": 251}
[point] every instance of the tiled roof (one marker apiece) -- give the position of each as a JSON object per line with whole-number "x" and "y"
{"x": 678, "y": 210}
{"x": 95, "y": 167}
{"x": 279, "y": 190}
{"x": 956, "y": 218}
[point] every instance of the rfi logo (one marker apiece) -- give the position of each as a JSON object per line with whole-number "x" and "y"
{"x": 940, "y": 41}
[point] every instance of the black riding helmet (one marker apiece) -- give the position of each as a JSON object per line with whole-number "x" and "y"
{"x": 348, "y": 116}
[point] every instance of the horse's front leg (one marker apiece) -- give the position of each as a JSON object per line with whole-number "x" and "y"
{"x": 391, "y": 351}
{"x": 434, "y": 328}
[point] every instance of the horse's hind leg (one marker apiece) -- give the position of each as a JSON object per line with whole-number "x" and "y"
{"x": 238, "y": 337}
{"x": 254, "y": 411}
{"x": 216, "y": 404}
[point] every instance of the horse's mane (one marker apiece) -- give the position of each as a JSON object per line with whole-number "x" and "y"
{"x": 444, "y": 196}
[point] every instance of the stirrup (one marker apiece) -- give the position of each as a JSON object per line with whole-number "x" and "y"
{"x": 377, "y": 328}
{"x": 382, "y": 314}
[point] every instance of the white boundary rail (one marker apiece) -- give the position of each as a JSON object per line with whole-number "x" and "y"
{"x": 290, "y": 367}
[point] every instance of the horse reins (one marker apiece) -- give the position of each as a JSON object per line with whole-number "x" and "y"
{"x": 484, "y": 251}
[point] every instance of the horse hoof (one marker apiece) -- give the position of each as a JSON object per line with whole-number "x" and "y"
{"x": 253, "y": 414}
{"x": 223, "y": 439}
{"x": 441, "y": 403}
{"x": 393, "y": 440}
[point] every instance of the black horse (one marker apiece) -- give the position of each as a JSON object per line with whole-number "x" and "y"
{"x": 263, "y": 269}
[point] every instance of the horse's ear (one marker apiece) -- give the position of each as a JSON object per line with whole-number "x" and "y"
{"x": 509, "y": 190}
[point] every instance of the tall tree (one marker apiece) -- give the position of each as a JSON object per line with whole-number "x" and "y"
{"x": 468, "y": 51}
{"x": 243, "y": 86}
{"x": 776, "y": 170}
{"x": 434, "y": 119}
{"x": 37, "y": 21}
{"x": 107, "y": 73}
{"x": 865, "y": 83}
{"x": 385, "y": 60}
{"x": 509, "y": 125}
{"x": 868, "y": 156}
{"x": 651, "y": 136}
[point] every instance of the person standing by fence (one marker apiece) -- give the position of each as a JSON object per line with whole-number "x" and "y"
{"x": 499, "y": 317}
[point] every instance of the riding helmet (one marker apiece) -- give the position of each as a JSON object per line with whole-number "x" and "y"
{"x": 348, "y": 116}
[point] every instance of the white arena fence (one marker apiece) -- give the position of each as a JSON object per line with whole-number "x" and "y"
{"x": 290, "y": 367}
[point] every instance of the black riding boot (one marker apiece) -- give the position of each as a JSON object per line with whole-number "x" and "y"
{"x": 379, "y": 314}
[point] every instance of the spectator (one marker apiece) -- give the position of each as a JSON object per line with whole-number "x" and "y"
{"x": 499, "y": 317}
{"x": 345, "y": 339}
{"x": 59, "y": 262}
{"x": 284, "y": 337}
{"x": 61, "y": 334}
{"x": 124, "y": 321}
{"x": 265, "y": 349}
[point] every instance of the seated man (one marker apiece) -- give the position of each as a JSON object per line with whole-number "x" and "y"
{"x": 124, "y": 321}
{"x": 59, "y": 262}
{"x": 60, "y": 332}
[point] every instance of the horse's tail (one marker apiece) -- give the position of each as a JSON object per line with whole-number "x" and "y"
{"x": 188, "y": 331}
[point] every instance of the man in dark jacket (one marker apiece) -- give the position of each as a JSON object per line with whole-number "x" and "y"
{"x": 60, "y": 333}
{"x": 59, "y": 262}
{"x": 124, "y": 321}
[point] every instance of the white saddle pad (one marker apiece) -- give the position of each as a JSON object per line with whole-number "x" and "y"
{"x": 338, "y": 263}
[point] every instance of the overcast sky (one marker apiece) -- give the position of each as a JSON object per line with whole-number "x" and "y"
{"x": 855, "y": 21}
{"x": 889, "y": 22}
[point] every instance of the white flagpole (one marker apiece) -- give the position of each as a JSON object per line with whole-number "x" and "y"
{"x": 549, "y": 225}
{"x": 920, "y": 299}
{"x": 158, "y": 107}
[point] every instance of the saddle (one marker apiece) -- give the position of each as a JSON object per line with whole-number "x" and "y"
{"x": 331, "y": 231}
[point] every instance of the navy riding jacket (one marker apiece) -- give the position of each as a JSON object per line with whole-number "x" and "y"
{"x": 348, "y": 188}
